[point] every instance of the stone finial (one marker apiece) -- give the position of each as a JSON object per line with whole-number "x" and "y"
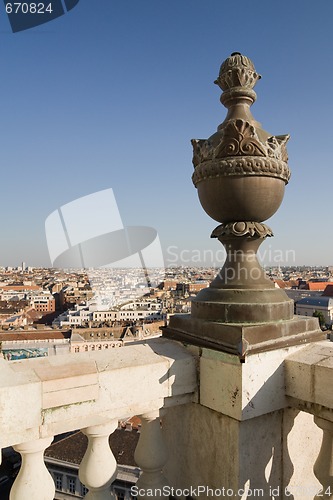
{"x": 240, "y": 173}
{"x": 237, "y": 71}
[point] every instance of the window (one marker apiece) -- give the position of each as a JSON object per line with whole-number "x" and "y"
{"x": 84, "y": 490}
{"x": 71, "y": 484}
{"x": 120, "y": 495}
{"x": 58, "y": 482}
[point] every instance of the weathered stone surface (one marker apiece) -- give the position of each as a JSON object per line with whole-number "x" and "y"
{"x": 243, "y": 339}
{"x": 243, "y": 390}
{"x": 272, "y": 451}
{"x": 309, "y": 377}
{"x": 47, "y": 396}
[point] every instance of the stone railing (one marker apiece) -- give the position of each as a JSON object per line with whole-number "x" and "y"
{"x": 248, "y": 436}
{"x": 309, "y": 382}
{"x": 242, "y": 426}
{"x": 43, "y": 397}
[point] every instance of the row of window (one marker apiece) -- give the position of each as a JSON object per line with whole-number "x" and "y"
{"x": 68, "y": 483}
{"x": 99, "y": 347}
{"x": 104, "y": 315}
{"x": 71, "y": 483}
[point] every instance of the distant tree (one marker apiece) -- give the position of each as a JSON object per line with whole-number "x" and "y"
{"x": 320, "y": 316}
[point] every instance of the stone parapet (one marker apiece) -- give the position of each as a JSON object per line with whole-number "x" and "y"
{"x": 47, "y": 396}
{"x": 309, "y": 379}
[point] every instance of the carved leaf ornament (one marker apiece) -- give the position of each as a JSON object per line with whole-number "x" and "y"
{"x": 237, "y": 150}
{"x": 239, "y": 139}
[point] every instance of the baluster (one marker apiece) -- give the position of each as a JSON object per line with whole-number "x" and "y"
{"x": 34, "y": 480}
{"x": 323, "y": 467}
{"x": 151, "y": 456}
{"x": 98, "y": 468}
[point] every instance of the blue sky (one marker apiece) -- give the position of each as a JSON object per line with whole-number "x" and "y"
{"x": 110, "y": 94}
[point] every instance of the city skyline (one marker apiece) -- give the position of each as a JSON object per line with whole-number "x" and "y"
{"x": 109, "y": 96}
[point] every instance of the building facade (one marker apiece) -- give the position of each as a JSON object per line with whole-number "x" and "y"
{"x": 308, "y": 305}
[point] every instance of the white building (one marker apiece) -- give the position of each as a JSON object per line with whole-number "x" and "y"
{"x": 140, "y": 310}
{"x": 79, "y": 316}
{"x": 131, "y": 311}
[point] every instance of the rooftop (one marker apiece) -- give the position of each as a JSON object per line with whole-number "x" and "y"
{"x": 316, "y": 301}
{"x": 71, "y": 449}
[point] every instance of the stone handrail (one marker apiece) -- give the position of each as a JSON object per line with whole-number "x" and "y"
{"x": 309, "y": 382}
{"x": 309, "y": 377}
{"x": 91, "y": 391}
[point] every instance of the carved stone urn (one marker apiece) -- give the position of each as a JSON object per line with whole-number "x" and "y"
{"x": 240, "y": 173}
{"x": 241, "y": 170}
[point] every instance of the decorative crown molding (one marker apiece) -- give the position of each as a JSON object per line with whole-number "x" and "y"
{"x": 237, "y": 150}
{"x": 242, "y": 228}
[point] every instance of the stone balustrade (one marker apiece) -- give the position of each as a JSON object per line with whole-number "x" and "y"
{"x": 248, "y": 427}
{"x": 42, "y": 397}
{"x": 309, "y": 382}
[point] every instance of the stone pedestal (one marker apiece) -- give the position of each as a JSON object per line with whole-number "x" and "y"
{"x": 239, "y": 440}
{"x": 242, "y": 339}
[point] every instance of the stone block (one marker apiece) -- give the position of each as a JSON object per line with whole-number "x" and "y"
{"x": 308, "y": 374}
{"x": 323, "y": 379}
{"x": 243, "y": 390}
